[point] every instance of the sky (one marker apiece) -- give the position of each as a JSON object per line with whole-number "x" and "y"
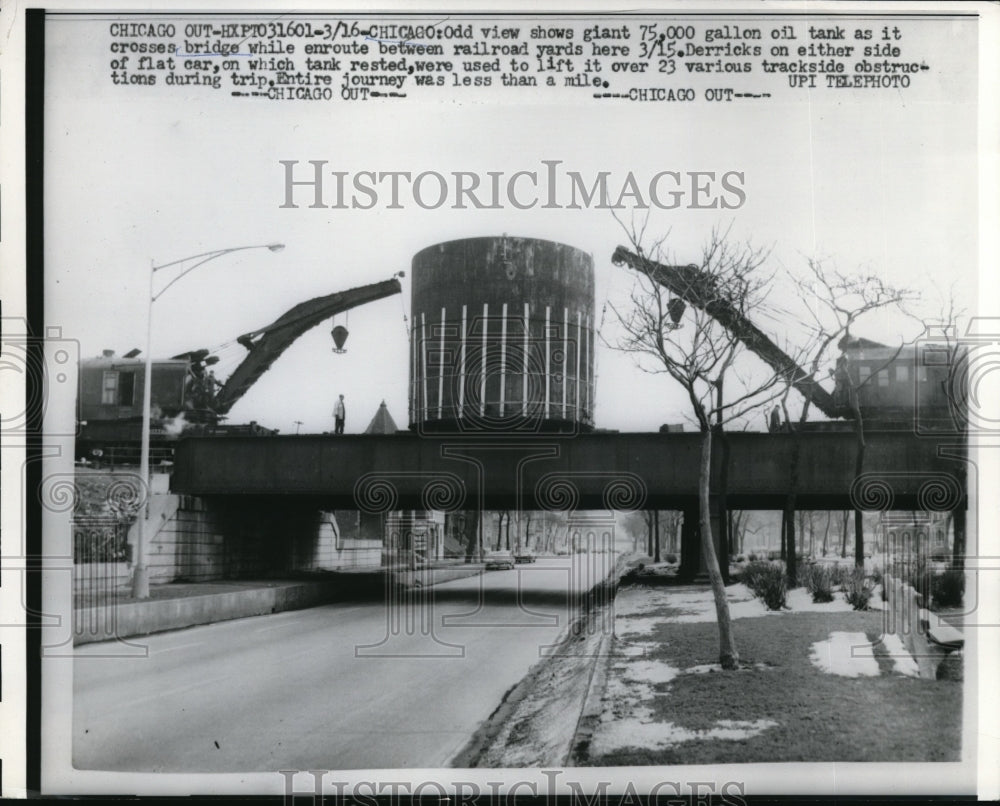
{"x": 881, "y": 182}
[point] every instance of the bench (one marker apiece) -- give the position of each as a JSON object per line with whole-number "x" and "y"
{"x": 928, "y": 639}
{"x": 940, "y": 633}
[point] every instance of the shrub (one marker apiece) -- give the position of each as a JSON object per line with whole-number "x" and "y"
{"x": 948, "y": 589}
{"x": 753, "y": 557}
{"x": 859, "y": 589}
{"x": 839, "y": 575}
{"x": 876, "y": 576}
{"x": 752, "y": 572}
{"x": 671, "y": 558}
{"x": 741, "y": 558}
{"x": 818, "y": 580}
{"x": 767, "y": 582}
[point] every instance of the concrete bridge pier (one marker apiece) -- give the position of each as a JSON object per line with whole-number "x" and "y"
{"x": 691, "y": 560}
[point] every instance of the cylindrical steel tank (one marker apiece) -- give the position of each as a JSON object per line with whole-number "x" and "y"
{"x": 502, "y": 336}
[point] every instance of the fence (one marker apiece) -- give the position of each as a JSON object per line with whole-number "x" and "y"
{"x": 101, "y": 563}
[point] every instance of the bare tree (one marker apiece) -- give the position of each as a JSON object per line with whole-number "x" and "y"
{"x": 652, "y": 536}
{"x": 944, "y": 327}
{"x": 470, "y": 524}
{"x": 834, "y": 303}
{"x": 687, "y": 342}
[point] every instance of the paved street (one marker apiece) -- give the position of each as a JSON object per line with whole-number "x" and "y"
{"x": 342, "y": 686}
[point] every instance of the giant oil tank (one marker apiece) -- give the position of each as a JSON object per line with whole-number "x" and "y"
{"x": 502, "y": 336}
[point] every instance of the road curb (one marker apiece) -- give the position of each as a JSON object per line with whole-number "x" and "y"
{"x": 489, "y": 742}
{"x": 593, "y": 704}
{"x": 429, "y": 577}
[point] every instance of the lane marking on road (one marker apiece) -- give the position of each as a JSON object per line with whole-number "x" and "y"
{"x": 156, "y": 695}
{"x": 303, "y": 622}
{"x": 175, "y": 648}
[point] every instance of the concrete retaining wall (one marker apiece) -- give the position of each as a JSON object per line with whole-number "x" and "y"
{"x": 103, "y": 623}
{"x": 328, "y": 548}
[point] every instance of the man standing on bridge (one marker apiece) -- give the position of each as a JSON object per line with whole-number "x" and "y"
{"x": 338, "y": 416}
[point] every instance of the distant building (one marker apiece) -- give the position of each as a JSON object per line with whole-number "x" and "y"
{"x": 909, "y": 535}
{"x": 903, "y": 385}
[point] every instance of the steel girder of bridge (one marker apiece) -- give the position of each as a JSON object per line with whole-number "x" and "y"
{"x": 622, "y": 471}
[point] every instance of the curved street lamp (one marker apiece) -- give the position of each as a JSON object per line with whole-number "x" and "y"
{"x": 140, "y": 576}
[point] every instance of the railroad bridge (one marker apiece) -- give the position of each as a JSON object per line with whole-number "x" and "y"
{"x": 581, "y": 472}
{"x": 502, "y": 386}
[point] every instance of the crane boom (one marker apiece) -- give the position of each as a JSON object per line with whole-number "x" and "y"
{"x": 267, "y": 343}
{"x": 693, "y": 286}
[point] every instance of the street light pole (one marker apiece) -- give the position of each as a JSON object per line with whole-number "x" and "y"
{"x": 140, "y": 574}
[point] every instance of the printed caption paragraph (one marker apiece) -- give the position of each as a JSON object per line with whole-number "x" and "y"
{"x": 614, "y": 59}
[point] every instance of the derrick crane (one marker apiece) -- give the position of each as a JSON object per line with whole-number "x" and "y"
{"x": 692, "y": 285}
{"x": 266, "y": 344}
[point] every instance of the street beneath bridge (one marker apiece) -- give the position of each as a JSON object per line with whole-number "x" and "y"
{"x": 394, "y": 684}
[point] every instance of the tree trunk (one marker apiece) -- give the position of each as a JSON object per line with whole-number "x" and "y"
{"x": 472, "y": 535}
{"x": 791, "y": 560}
{"x": 859, "y": 464}
{"x": 859, "y": 539}
{"x": 739, "y": 530}
{"x": 508, "y": 531}
{"x": 723, "y": 505}
{"x": 791, "y": 567}
{"x": 729, "y": 657}
{"x": 846, "y": 519}
{"x": 826, "y": 534}
{"x": 958, "y": 548}
{"x": 784, "y": 534}
{"x": 656, "y": 533}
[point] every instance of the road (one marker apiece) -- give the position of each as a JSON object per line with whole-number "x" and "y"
{"x": 341, "y": 686}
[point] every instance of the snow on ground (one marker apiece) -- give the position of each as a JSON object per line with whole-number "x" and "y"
{"x": 627, "y": 699}
{"x": 636, "y": 602}
{"x": 694, "y": 605}
{"x": 848, "y": 654}
{"x": 902, "y": 661}
{"x": 708, "y": 668}
{"x": 698, "y": 605}
{"x": 636, "y": 626}
{"x": 635, "y": 732}
{"x": 649, "y": 671}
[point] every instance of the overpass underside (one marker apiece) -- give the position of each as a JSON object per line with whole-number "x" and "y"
{"x": 246, "y": 483}
{"x": 592, "y": 471}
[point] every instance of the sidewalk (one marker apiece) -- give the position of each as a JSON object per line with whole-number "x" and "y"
{"x": 817, "y": 682}
{"x": 176, "y": 605}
